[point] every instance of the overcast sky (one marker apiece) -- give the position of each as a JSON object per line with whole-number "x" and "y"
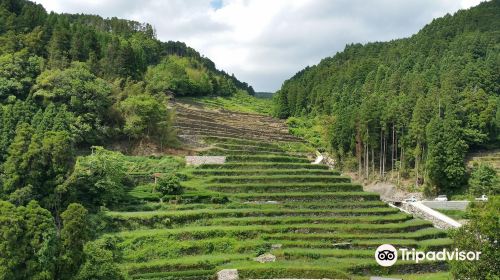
{"x": 264, "y": 42}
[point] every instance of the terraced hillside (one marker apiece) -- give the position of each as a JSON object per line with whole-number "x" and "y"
{"x": 491, "y": 157}
{"x": 193, "y": 121}
{"x": 266, "y": 198}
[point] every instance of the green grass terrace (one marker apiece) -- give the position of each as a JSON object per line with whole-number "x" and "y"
{"x": 267, "y": 198}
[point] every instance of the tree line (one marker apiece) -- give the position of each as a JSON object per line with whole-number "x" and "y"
{"x": 413, "y": 106}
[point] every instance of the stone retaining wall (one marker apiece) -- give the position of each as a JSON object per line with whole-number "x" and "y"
{"x": 427, "y": 215}
{"x": 198, "y": 160}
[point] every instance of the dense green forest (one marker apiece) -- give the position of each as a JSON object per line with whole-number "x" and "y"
{"x": 69, "y": 82}
{"x": 414, "y": 106}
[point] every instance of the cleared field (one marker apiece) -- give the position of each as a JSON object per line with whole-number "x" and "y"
{"x": 267, "y": 198}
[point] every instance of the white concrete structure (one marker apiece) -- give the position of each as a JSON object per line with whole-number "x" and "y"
{"x": 438, "y": 219}
{"x": 319, "y": 158}
{"x": 199, "y": 160}
{"x": 228, "y": 274}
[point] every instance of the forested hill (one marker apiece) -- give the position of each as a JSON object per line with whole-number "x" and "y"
{"x": 94, "y": 78}
{"x": 416, "y": 104}
{"x": 71, "y": 81}
{"x": 113, "y": 48}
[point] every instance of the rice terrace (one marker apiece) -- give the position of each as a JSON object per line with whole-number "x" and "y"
{"x": 127, "y": 153}
{"x": 266, "y": 198}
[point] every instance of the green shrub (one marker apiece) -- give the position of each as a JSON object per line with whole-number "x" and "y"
{"x": 98, "y": 179}
{"x": 479, "y": 234}
{"x": 219, "y": 199}
{"x": 484, "y": 180}
{"x": 170, "y": 185}
{"x": 100, "y": 264}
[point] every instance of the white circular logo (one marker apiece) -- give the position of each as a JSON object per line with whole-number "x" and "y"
{"x": 386, "y": 255}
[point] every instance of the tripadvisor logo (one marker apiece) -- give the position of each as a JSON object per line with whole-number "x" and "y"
{"x": 387, "y": 255}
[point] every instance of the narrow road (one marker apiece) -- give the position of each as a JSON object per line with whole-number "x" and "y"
{"x": 447, "y": 205}
{"x": 438, "y": 219}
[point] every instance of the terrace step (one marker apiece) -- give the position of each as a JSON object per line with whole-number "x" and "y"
{"x": 159, "y": 221}
{"x": 150, "y": 207}
{"x": 246, "y": 141}
{"x": 205, "y": 134}
{"x": 266, "y": 158}
{"x": 178, "y": 275}
{"x": 264, "y": 165}
{"x": 298, "y": 179}
{"x": 198, "y": 233}
{"x": 299, "y": 196}
{"x": 220, "y": 151}
{"x": 309, "y": 219}
{"x": 214, "y": 124}
{"x": 251, "y": 148}
{"x": 262, "y": 172}
{"x": 316, "y": 253}
{"x": 234, "y": 131}
{"x": 219, "y": 115}
{"x": 419, "y": 235}
{"x": 199, "y": 262}
{"x": 329, "y": 268}
{"x": 189, "y": 216}
{"x": 318, "y": 205}
{"x": 276, "y": 186}
{"x": 229, "y": 117}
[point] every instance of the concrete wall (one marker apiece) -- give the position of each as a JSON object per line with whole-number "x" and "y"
{"x": 446, "y": 205}
{"x": 438, "y": 219}
{"x": 198, "y": 160}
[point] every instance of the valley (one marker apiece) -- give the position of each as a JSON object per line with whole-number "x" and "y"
{"x": 266, "y": 198}
{"x": 128, "y": 154}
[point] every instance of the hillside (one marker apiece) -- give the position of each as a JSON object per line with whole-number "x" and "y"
{"x": 70, "y": 84}
{"x": 193, "y": 123}
{"x": 266, "y": 198}
{"x": 102, "y": 80}
{"x": 385, "y": 108}
{"x": 97, "y": 117}
{"x": 113, "y": 48}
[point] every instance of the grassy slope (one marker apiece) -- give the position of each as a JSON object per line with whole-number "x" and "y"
{"x": 455, "y": 214}
{"x": 197, "y": 236}
{"x": 239, "y": 102}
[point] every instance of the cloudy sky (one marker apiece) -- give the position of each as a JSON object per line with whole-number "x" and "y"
{"x": 264, "y": 42}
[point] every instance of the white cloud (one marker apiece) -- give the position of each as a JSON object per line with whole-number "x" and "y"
{"x": 265, "y": 42}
